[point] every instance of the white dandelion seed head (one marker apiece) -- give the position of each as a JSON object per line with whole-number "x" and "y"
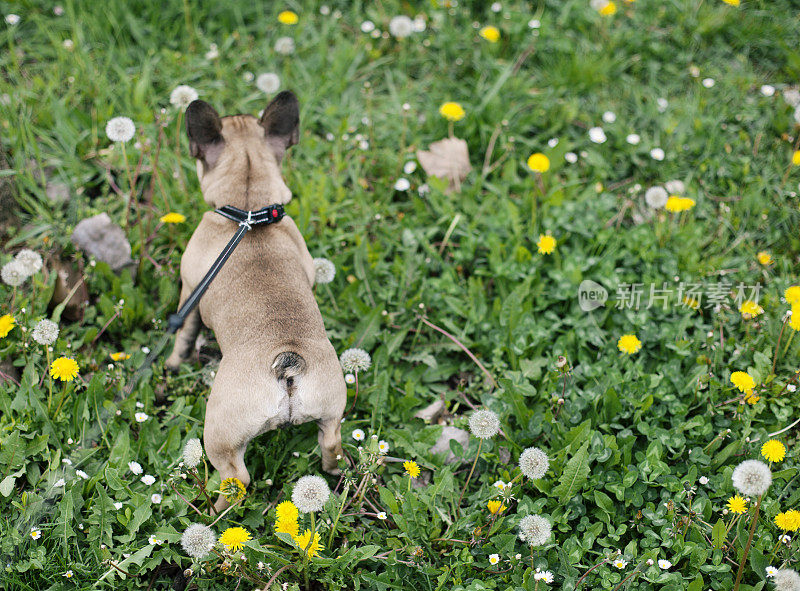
{"x": 135, "y": 467}
{"x": 708, "y": 82}
{"x": 767, "y": 90}
{"x": 45, "y": 332}
{"x": 597, "y": 135}
{"x": 657, "y": 154}
{"x": 484, "y": 424}
{"x": 598, "y": 5}
{"x": 355, "y": 360}
{"x": 797, "y": 115}
{"x": 656, "y": 197}
{"x": 534, "y": 23}
{"x": 675, "y": 187}
{"x": 120, "y": 129}
{"x": 268, "y": 82}
{"x": 148, "y": 480}
{"x": 752, "y": 478}
{"x": 534, "y": 463}
{"x": 419, "y": 24}
{"x": 182, "y": 96}
{"x": 310, "y": 494}
{"x": 401, "y": 26}
{"x": 786, "y": 579}
{"x": 284, "y": 45}
{"x": 13, "y": 273}
{"x": 324, "y": 270}
{"x": 68, "y": 44}
{"x": 792, "y": 96}
{"x": 192, "y": 453}
{"x": 535, "y": 530}
{"x": 31, "y": 261}
{"x": 198, "y": 540}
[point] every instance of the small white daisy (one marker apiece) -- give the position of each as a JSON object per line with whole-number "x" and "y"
{"x": 552, "y": 142}
{"x": 69, "y": 574}
{"x": 597, "y": 135}
{"x": 367, "y": 27}
{"x": 571, "y": 157}
{"x": 213, "y": 52}
{"x": 383, "y": 446}
{"x": 358, "y": 434}
{"x": 664, "y": 564}
{"x": 409, "y": 167}
{"x": 349, "y": 378}
{"x": 609, "y": 116}
{"x": 791, "y": 388}
{"x": 768, "y": 90}
{"x": 771, "y": 570}
{"x": 59, "y": 483}
{"x": 402, "y": 184}
{"x": 82, "y": 474}
{"x": 382, "y": 515}
{"x": 620, "y": 563}
{"x": 148, "y": 479}
{"x": 657, "y": 154}
{"x": 135, "y": 467}
{"x": 36, "y": 533}
{"x": 703, "y": 480}
{"x": 534, "y": 23}
{"x": 155, "y": 498}
{"x": 633, "y": 139}
{"x": 12, "y": 19}
{"x": 117, "y": 505}
{"x": 153, "y": 540}
{"x": 141, "y": 417}
{"x": 662, "y": 104}
{"x": 494, "y": 558}
{"x": 708, "y": 82}
{"x": 500, "y": 485}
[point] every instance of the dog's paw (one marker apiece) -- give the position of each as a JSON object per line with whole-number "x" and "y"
{"x": 333, "y": 471}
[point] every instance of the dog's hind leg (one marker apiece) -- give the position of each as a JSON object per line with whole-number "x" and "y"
{"x": 228, "y": 460}
{"x": 330, "y": 442}
{"x": 186, "y": 336}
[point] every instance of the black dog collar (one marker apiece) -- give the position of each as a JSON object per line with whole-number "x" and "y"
{"x": 268, "y": 215}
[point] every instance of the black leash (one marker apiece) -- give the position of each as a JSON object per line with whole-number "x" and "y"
{"x": 247, "y": 220}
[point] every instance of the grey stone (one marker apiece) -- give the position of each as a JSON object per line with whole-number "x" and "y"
{"x": 431, "y": 412}
{"x": 101, "y": 238}
{"x": 443, "y": 443}
{"x": 57, "y": 192}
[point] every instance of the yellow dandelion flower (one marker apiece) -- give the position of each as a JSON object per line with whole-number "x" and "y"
{"x": 452, "y": 111}
{"x": 7, "y": 322}
{"x": 737, "y": 505}
{"x": 773, "y": 451}
{"x": 490, "y": 33}
{"x": 121, "y": 356}
{"x": 411, "y": 468}
{"x": 287, "y": 510}
{"x": 749, "y": 309}
{"x": 629, "y": 343}
{"x": 743, "y": 381}
{"x": 547, "y": 244}
{"x": 234, "y": 538}
{"x": 495, "y": 507}
{"x": 794, "y": 321}
{"x": 792, "y": 294}
{"x": 287, "y": 526}
{"x": 690, "y": 302}
{"x": 608, "y": 9}
{"x": 752, "y": 398}
{"x": 764, "y": 258}
{"x": 232, "y": 489}
{"x": 538, "y": 162}
{"x": 677, "y": 204}
{"x": 796, "y": 158}
{"x": 731, "y": 2}
{"x": 64, "y": 369}
{"x": 173, "y": 218}
{"x": 788, "y": 521}
{"x": 303, "y": 540}
{"x": 287, "y": 17}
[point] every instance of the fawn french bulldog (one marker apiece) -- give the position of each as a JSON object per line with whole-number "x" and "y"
{"x": 278, "y": 366}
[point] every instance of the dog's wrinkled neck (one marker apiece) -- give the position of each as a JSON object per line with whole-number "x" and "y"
{"x": 243, "y": 179}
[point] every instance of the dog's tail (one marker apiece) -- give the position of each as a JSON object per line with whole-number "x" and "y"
{"x": 287, "y": 366}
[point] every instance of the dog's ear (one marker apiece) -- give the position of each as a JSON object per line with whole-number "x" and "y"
{"x": 281, "y": 120}
{"x": 204, "y": 128}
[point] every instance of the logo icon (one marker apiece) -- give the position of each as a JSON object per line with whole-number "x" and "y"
{"x": 591, "y": 295}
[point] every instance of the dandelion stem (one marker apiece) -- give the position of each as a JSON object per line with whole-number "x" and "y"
{"x": 49, "y": 382}
{"x": 777, "y": 346}
{"x": 466, "y": 484}
{"x": 747, "y": 547}
{"x": 339, "y": 514}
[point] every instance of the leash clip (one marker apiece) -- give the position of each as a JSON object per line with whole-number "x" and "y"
{"x": 246, "y": 223}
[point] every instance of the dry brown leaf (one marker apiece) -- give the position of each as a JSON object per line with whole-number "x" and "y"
{"x": 446, "y": 159}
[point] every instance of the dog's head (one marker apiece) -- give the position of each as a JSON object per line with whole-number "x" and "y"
{"x": 239, "y": 156}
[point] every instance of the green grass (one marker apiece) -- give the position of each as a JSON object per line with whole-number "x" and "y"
{"x": 633, "y": 435}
